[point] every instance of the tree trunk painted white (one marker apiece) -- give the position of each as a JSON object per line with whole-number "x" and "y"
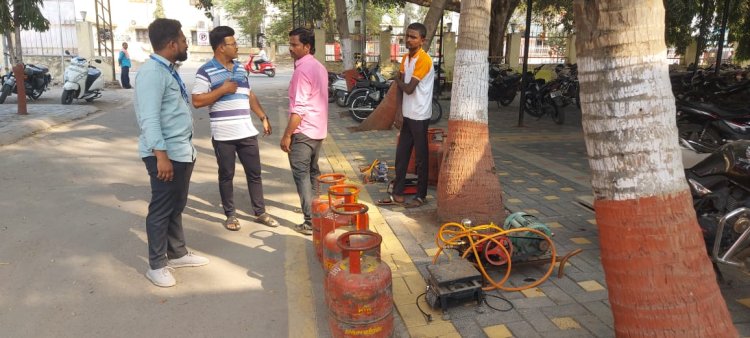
{"x": 342, "y": 24}
{"x": 659, "y": 277}
{"x": 468, "y": 186}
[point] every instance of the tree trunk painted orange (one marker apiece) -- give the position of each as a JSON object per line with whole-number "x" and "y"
{"x": 659, "y": 277}
{"x": 660, "y": 280}
{"x": 468, "y": 186}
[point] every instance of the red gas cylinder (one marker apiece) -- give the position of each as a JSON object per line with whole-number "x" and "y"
{"x": 349, "y": 217}
{"x": 320, "y": 203}
{"x": 359, "y": 290}
{"x": 337, "y": 194}
{"x": 436, "y": 137}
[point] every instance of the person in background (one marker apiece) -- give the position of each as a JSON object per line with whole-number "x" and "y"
{"x": 124, "y": 61}
{"x": 165, "y": 145}
{"x": 222, "y": 84}
{"x": 308, "y": 119}
{"x": 415, "y": 80}
{"x": 260, "y": 58}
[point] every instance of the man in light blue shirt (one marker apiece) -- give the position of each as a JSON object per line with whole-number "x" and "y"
{"x": 165, "y": 146}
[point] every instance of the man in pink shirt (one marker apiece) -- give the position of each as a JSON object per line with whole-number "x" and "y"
{"x": 308, "y": 119}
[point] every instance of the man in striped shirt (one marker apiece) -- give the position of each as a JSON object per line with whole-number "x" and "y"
{"x": 223, "y": 84}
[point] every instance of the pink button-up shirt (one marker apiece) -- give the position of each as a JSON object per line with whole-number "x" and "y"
{"x": 308, "y": 97}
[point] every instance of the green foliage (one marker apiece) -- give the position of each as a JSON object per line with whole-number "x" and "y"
{"x": 248, "y": 14}
{"x": 22, "y": 14}
{"x": 159, "y": 11}
{"x": 205, "y": 5}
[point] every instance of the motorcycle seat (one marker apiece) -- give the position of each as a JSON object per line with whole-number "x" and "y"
{"x": 381, "y": 85}
{"x": 38, "y": 69}
{"x": 722, "y": 111}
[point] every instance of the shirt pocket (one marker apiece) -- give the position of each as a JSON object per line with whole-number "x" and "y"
{"x": 172, "y": 92}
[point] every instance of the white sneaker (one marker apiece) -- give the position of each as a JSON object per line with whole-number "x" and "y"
{"x": 189, "y": 260}
{"x": 161, "y": 277}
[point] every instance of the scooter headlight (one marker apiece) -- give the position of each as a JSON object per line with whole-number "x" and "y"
{"x": 741, "y": 225}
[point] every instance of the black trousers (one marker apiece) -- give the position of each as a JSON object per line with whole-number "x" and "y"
{"x": 413, "y": 134}
{"x": 125, "y": 77}
{"x": 303, "y": 159}
{"x": 249, "y": 153}
{"x": 166, "y": 239}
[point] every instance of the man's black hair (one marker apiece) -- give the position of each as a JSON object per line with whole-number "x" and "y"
{"x": 419, "y": 28}
{"x": 216, "y": 36}
{"x": 163, "y": 31}
{"x": 306, "y": 37}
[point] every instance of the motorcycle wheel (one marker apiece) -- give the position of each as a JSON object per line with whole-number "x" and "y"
{"x": 331, "y": 95}
{"x": 340, "y": 99}
{"x": 67, "y": 97}
{"x": 557, "y": 113}
{"x": 532, "y": 106}
{"x": 710, "y": 139}
{"x": 361, "y": 108}
{"x": 437, "y": 111}
{"x": 4, "y": 92}
{"x": 35, "y": 93}
{"x": 506, "y": 101}
{"x": 91, "y": 99}
{"x": 270, "y": 72}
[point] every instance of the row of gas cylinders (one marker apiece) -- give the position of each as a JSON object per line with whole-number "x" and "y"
{"x": 358, "y": 284}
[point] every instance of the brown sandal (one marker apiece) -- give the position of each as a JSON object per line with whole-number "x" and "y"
{"x": 232, "y": 223}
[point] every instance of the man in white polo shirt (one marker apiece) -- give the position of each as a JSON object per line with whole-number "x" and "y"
{"x": 223, "y": 84}
{"x": 415, "y": 80}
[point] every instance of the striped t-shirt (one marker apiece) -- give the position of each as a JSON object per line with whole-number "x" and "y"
{"x": 230, "y": 115}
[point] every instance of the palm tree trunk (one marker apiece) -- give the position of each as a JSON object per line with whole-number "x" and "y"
{"x": 432, "y": 20}
{"x": 347, "y": 55}
{"x": 502, "y": 10}
{"x": 660, "y": 280}
{"x": 468, "y": 186}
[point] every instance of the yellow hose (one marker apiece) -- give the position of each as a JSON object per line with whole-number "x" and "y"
{"x": 458, "y": 233}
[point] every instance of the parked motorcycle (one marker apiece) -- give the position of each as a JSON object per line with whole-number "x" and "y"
{"x": 720, "y": 186}
{"x": 564, "y": 90}
{"x": 538, "y": 101}
{"x": 365, "y": 100}
{"x": 365, "y": 78}
{"x": 37, "y": 80}
{"x": 82, "y": 80}
{"x": 504, "y": 84}
{"x": 707, "y": 126}
{"x": 267, "y": 67}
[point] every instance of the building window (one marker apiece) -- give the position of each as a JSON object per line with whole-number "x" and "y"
{"x": 193, "y": 38}
{"x": 141, "y": 35}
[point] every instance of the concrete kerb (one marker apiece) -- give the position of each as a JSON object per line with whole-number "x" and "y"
{"x": 408, "y": 283}
{"x": 14, "y": 127}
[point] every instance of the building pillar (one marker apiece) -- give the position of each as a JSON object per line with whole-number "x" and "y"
{"x": 385, "y": 48}
{"x": 85, "y": 37}
{"x": 449, "y": 55}
{"x": 320, "y": 45}
{"x": 514, "y": 51}
{"x": 689, "y": 56}
{"x": 571, "y": 47}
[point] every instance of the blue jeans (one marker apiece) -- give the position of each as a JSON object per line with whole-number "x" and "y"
{"x": 303, "y": 158}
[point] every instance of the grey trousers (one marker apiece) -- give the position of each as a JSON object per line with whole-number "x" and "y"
{"x": 303, "y": 159}
{"x": 166, "y": 239}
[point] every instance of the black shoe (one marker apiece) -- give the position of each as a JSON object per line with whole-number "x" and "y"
{"x": 304, "y": 228}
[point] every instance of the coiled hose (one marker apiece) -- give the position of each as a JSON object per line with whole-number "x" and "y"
{"x": 452, "y": 235}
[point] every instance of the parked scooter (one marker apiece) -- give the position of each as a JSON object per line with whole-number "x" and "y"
{"x": 720, "y": 186}
{"x": 82, "y": 80}
{"x": 267, "y": 67}
{"x": 504, "y": 84}
{"x": 37, "y": 81}
{"x": 706, "y": 126}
